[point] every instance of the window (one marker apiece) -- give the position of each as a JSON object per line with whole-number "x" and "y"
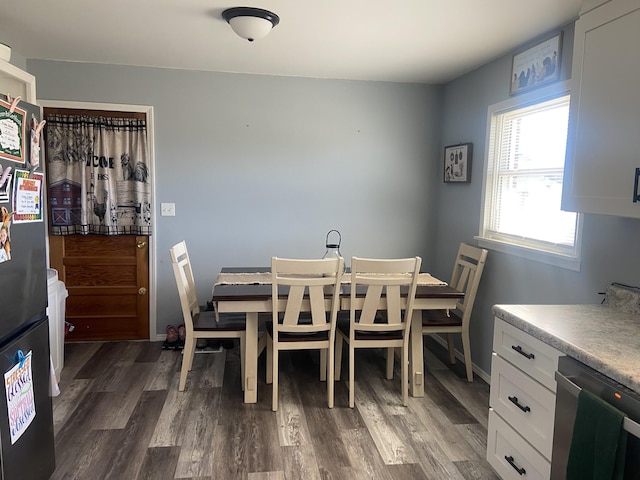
{"x": 523, "y": 182}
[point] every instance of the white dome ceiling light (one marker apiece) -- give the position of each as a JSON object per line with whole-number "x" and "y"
{"x": 250, "y": 23}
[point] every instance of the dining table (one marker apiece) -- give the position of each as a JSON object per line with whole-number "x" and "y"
{"x": 248, "y": 290}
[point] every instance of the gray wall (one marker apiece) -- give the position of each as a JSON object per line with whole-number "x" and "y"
{"x": 610, "y": 248}
{"x": 19, "y": 61}
{"x": 261, "y": 165}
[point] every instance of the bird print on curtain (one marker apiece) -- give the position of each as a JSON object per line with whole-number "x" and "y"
{"x": 98, "y": 175}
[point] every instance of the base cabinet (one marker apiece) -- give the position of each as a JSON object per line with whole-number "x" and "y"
{"x": 522, "y": 404}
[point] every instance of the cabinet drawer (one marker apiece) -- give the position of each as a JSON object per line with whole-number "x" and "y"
{"x": 533, "y": 357}
{"x": 524, "y": 404}
{"x": 504, "y": 444}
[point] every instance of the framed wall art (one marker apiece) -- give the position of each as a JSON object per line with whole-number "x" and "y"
{"x": 536, "y": 66}
{"x": 457, "y": 163}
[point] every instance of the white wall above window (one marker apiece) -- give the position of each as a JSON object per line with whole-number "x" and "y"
{"x": 522, "y": 187}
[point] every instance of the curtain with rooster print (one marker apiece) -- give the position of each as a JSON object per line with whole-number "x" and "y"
{"x": 98, "y": 175}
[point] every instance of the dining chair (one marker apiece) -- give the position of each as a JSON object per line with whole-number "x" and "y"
{"x": 467, "y": 270}
{"x": 306, "y": 299}
{"x": 201, "y": 324}
{"x": 379, "y": 314}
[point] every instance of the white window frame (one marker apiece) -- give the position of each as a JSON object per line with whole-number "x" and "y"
{"x": 527, "y": 249}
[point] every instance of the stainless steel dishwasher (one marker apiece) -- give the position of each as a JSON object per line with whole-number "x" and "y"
{"x": 573, "y": 376}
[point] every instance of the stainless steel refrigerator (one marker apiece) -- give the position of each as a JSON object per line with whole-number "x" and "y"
{"x": 26, "y": 418}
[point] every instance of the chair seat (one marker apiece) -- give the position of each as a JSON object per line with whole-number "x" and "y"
{"x": 296, "y": 337}
{"x": 439, "y": 318}
{"x": 206, "y": 322}
{"x": 343, "y": 327}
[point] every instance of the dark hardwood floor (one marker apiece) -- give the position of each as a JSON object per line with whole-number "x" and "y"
{"x": 120, "y": 416}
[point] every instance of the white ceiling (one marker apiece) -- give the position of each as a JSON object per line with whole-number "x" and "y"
{"x": 419, "y": 41}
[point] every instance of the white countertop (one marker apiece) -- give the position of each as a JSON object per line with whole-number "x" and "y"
{"x": 605, "y": 339}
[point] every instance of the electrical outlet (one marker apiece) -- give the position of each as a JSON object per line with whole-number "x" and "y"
{"x": 168, "y": 209}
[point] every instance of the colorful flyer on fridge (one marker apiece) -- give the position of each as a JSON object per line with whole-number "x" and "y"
{"x": 21, "y": 406}
{"x": 27, "y": 196}
{"x": 12, "y": 131}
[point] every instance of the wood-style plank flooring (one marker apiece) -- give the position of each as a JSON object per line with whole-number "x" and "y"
{"x": 120, "y": 416}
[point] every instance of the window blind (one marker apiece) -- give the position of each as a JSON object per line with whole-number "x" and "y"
{"x": 524, "y": 178}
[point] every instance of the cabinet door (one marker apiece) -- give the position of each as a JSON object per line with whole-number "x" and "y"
{"x": 17, "y": 83}
{"x": 603, "y": 149}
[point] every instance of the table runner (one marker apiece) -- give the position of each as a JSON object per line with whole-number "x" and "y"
{"x": 264, "y": 278}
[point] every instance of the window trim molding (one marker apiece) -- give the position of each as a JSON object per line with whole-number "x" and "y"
{"x": 570, "y": 262}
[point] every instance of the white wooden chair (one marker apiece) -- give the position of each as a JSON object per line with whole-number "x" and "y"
{"x": 467, "y": 271}
{"x": 304, "y": 319}
{"x": 379, "y": 285}
{"x": 201, "y": 324}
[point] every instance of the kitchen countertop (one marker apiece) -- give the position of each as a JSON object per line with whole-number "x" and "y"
{"x": 605, "y": 339}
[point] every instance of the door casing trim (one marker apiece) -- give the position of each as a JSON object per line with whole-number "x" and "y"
{"x": 148, "y": 110}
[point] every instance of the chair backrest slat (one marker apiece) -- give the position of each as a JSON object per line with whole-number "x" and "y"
{"x": 294, "y": 305}
{"x": 370, "y": 306}
{"x": 394, "y": 305}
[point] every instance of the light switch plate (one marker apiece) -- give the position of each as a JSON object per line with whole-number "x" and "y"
{"x": 168, "y": 209}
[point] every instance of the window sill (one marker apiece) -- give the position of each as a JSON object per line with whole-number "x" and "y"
{"x": 555, "y": 259}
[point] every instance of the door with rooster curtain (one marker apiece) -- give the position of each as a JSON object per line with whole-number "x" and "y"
{"x": 99, "y": 191}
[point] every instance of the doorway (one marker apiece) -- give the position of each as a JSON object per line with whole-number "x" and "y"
{"x": 108, "y": 277}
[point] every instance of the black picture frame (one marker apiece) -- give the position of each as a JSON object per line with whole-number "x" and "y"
{"x": 457, "y": 163}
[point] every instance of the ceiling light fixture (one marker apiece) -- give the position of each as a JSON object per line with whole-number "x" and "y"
{"x": 250, "y": 23}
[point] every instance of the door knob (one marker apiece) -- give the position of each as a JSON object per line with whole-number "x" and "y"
{"x": 142, "y": 291}
{"x": 141, "y": 244}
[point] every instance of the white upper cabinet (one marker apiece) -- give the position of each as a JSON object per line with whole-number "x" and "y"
{"x": 603, "y": 149}
{"x": 17, "y": 83}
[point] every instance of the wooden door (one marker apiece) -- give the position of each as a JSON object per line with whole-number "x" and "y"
{"x": 107, "y": 278}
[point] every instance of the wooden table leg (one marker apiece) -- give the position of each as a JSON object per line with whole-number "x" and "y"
{"x": 416, "y": 356}
{"x": 251, "y": 359}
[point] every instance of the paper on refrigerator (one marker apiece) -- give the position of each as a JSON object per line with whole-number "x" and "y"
{"x": 21, "y": 406}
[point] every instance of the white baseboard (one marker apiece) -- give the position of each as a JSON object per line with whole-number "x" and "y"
{"x": 481, "y": 373}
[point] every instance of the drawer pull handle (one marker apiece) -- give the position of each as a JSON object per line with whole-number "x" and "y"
{"x": 636, "y": 197}
{"x": 514, "y": 400}
{"x": 518, "y": 469}
{"x": 524, "y": 354}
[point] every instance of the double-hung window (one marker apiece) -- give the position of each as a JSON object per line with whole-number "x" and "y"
{"x": 527, "y": 140}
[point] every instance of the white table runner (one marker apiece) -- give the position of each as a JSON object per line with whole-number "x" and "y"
{"x": 264, "y": 278}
